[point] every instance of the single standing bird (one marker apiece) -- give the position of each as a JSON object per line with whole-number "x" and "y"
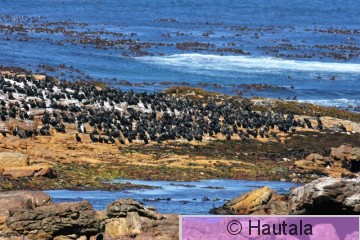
{"x": 77, "y": 137}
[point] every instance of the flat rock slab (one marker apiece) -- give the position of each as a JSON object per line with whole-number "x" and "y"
{"x": 56, "y": 219}
{"x": 28, "y": 171}
{"x": 22, "y": 200}
{"x": 13, "y": 159}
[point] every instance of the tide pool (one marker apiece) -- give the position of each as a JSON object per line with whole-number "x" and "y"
{"x": 173, "y": 197}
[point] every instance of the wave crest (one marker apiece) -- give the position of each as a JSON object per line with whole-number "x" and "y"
{"x": 195, "y": 62}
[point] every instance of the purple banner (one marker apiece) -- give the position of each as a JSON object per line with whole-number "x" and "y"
{"x": 260, "y": 227}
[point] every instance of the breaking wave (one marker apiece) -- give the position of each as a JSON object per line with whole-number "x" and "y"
{"x": 340, "y": 102}
{"x": 202, "y": 63}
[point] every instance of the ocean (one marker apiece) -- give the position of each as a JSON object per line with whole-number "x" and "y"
{"x": 304, "y": 50}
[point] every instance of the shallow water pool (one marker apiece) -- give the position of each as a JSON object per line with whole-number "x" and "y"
{"x": 173, "y": 197}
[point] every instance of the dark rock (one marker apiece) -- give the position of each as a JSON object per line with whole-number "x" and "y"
{"x": 205, "y": 199}
{"x": 261, "y": 87}
{"x": 326, "y": 196}
{"x": 12, "y": 236}
{"x": 212, "y": 187}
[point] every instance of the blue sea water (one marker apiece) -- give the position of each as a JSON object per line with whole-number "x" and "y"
{"x": 291, "y": 44}
{"x": 185, "y": 197}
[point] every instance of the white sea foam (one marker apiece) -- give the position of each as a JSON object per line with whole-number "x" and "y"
{"x": 194, "y": 62}
{"x": 339, "y": 102}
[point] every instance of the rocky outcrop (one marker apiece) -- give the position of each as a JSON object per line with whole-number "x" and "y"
{"x": 314, "y": 160}
{"x": 121, "y": 207}
{"x": 344, "y": 161}
{"x": 127, "y": 217}
{"x": 55, "y": 219}
{"x": 167, "y": 228}
{"x": 349, "y": 157}
{"x": 18, "y": 200}
{"x": 345, "y": 152}
{"x": 31, "y": 215}
{"x": 326, "y": 196}
{"x": 22, "y": 200}
{"x": 260, "y": 201}
{"x": 323, "y": 196}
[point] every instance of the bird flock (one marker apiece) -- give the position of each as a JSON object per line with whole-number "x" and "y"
{"x": 111, "y": 115}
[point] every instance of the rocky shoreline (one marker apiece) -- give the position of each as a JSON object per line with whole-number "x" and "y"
{"x": 324, "y": 196}
{"x": 32, "y": 215}
{"x": 335, "y": 195}
{"x": 41, "y": 151}
{"x": 51, "y": 157}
